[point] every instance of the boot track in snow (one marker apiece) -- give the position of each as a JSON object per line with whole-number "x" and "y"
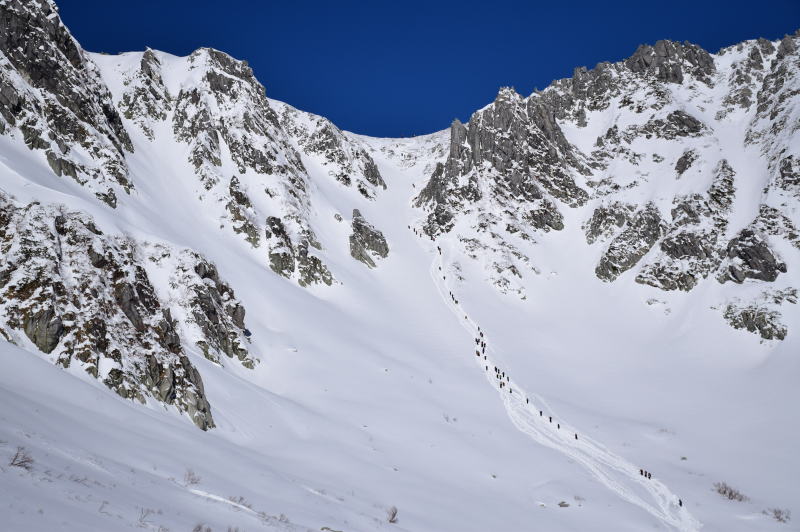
{"x": 614, "y": 472}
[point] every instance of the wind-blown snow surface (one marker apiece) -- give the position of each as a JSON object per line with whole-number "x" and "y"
{"x": 369, "y": 393}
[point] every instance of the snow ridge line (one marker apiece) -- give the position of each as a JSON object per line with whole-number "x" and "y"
{"x": 616, "y": 473}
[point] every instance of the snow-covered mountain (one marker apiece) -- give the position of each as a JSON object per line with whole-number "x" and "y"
{"x": 258, "y": 320}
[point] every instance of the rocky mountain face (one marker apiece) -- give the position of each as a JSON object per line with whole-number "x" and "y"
{"x": 680, "y": 164}
{"x": 52, "y": 98}
{"x": 346, "y": 159}
{"x": 86, "y": 299}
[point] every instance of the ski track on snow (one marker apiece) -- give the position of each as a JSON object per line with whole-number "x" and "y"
{"x": 613, "y": 471}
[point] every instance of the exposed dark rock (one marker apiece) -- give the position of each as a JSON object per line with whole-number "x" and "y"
{"x": 54, "y": 95}
{"x": 242, "y": 213}
{"x": 640, "y": 234}
{"x": 605, "y": 219}
{"x": 287, "y": 260}
{"x": 76, "y": 293}
{"x": 515, "y": 146}
{"x": 310, "y": 269}
{"x": 346, "y": 159}
{"x": 750, "y": 257}
{"x": 685, "y": 161}
{"x": 146, "y": 99}
{"x": 229, "y": 105}
{"x": 366, "y": 242}
{"x": 281, "y": 251}
{"x": 668, "y": 61}
{"x": 761, "y": 315}
{"x": 546, "y": 217}
{"x": 44, "y": 328}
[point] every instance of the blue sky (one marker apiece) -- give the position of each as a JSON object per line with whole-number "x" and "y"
{"x": 407, "y": 68}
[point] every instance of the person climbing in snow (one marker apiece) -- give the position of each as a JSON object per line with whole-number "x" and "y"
{"x": 680, "y": 502}
{"x": 576, "y": 435}
{"x": 551, "y": 419}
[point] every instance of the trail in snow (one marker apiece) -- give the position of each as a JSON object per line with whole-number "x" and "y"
{"x": 613, "y": 471}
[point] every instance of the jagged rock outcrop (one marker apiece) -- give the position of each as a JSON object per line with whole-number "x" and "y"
{"x": 242, "y": 213}
{"x": 222, "y": 115}
{"x": 228, "y": 105}
{"x": 685, "y": 161}
{"x": 692, "y": 247}
{"x": 346, "y": 159}
{"x": 606, "y": 219}
{"x": 761, "y": 315}
{"x": 288, "y": 259}
{"x": 83, "y": 297}
{"x": 508, "y": 172}
{"x": 668, "y": 60}
{"x": 366, "y": 242}
{"x": 641, "y": 232}
{"x": 207, "y": 313}
{"x": 146, "y": 100}
{"x": 750, "y": 257}
{"x": 53, "y": 99}
{"x": 513, "y": 152}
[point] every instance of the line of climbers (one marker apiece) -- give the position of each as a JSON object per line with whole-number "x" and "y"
{"x": 505, "y": 380}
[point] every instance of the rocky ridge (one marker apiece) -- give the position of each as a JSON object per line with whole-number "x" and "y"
{"x": 54, "y": 99}
{"x": 659, "y": 183}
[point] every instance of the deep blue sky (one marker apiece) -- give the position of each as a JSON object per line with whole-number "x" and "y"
{"x": 409, "y": 67}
